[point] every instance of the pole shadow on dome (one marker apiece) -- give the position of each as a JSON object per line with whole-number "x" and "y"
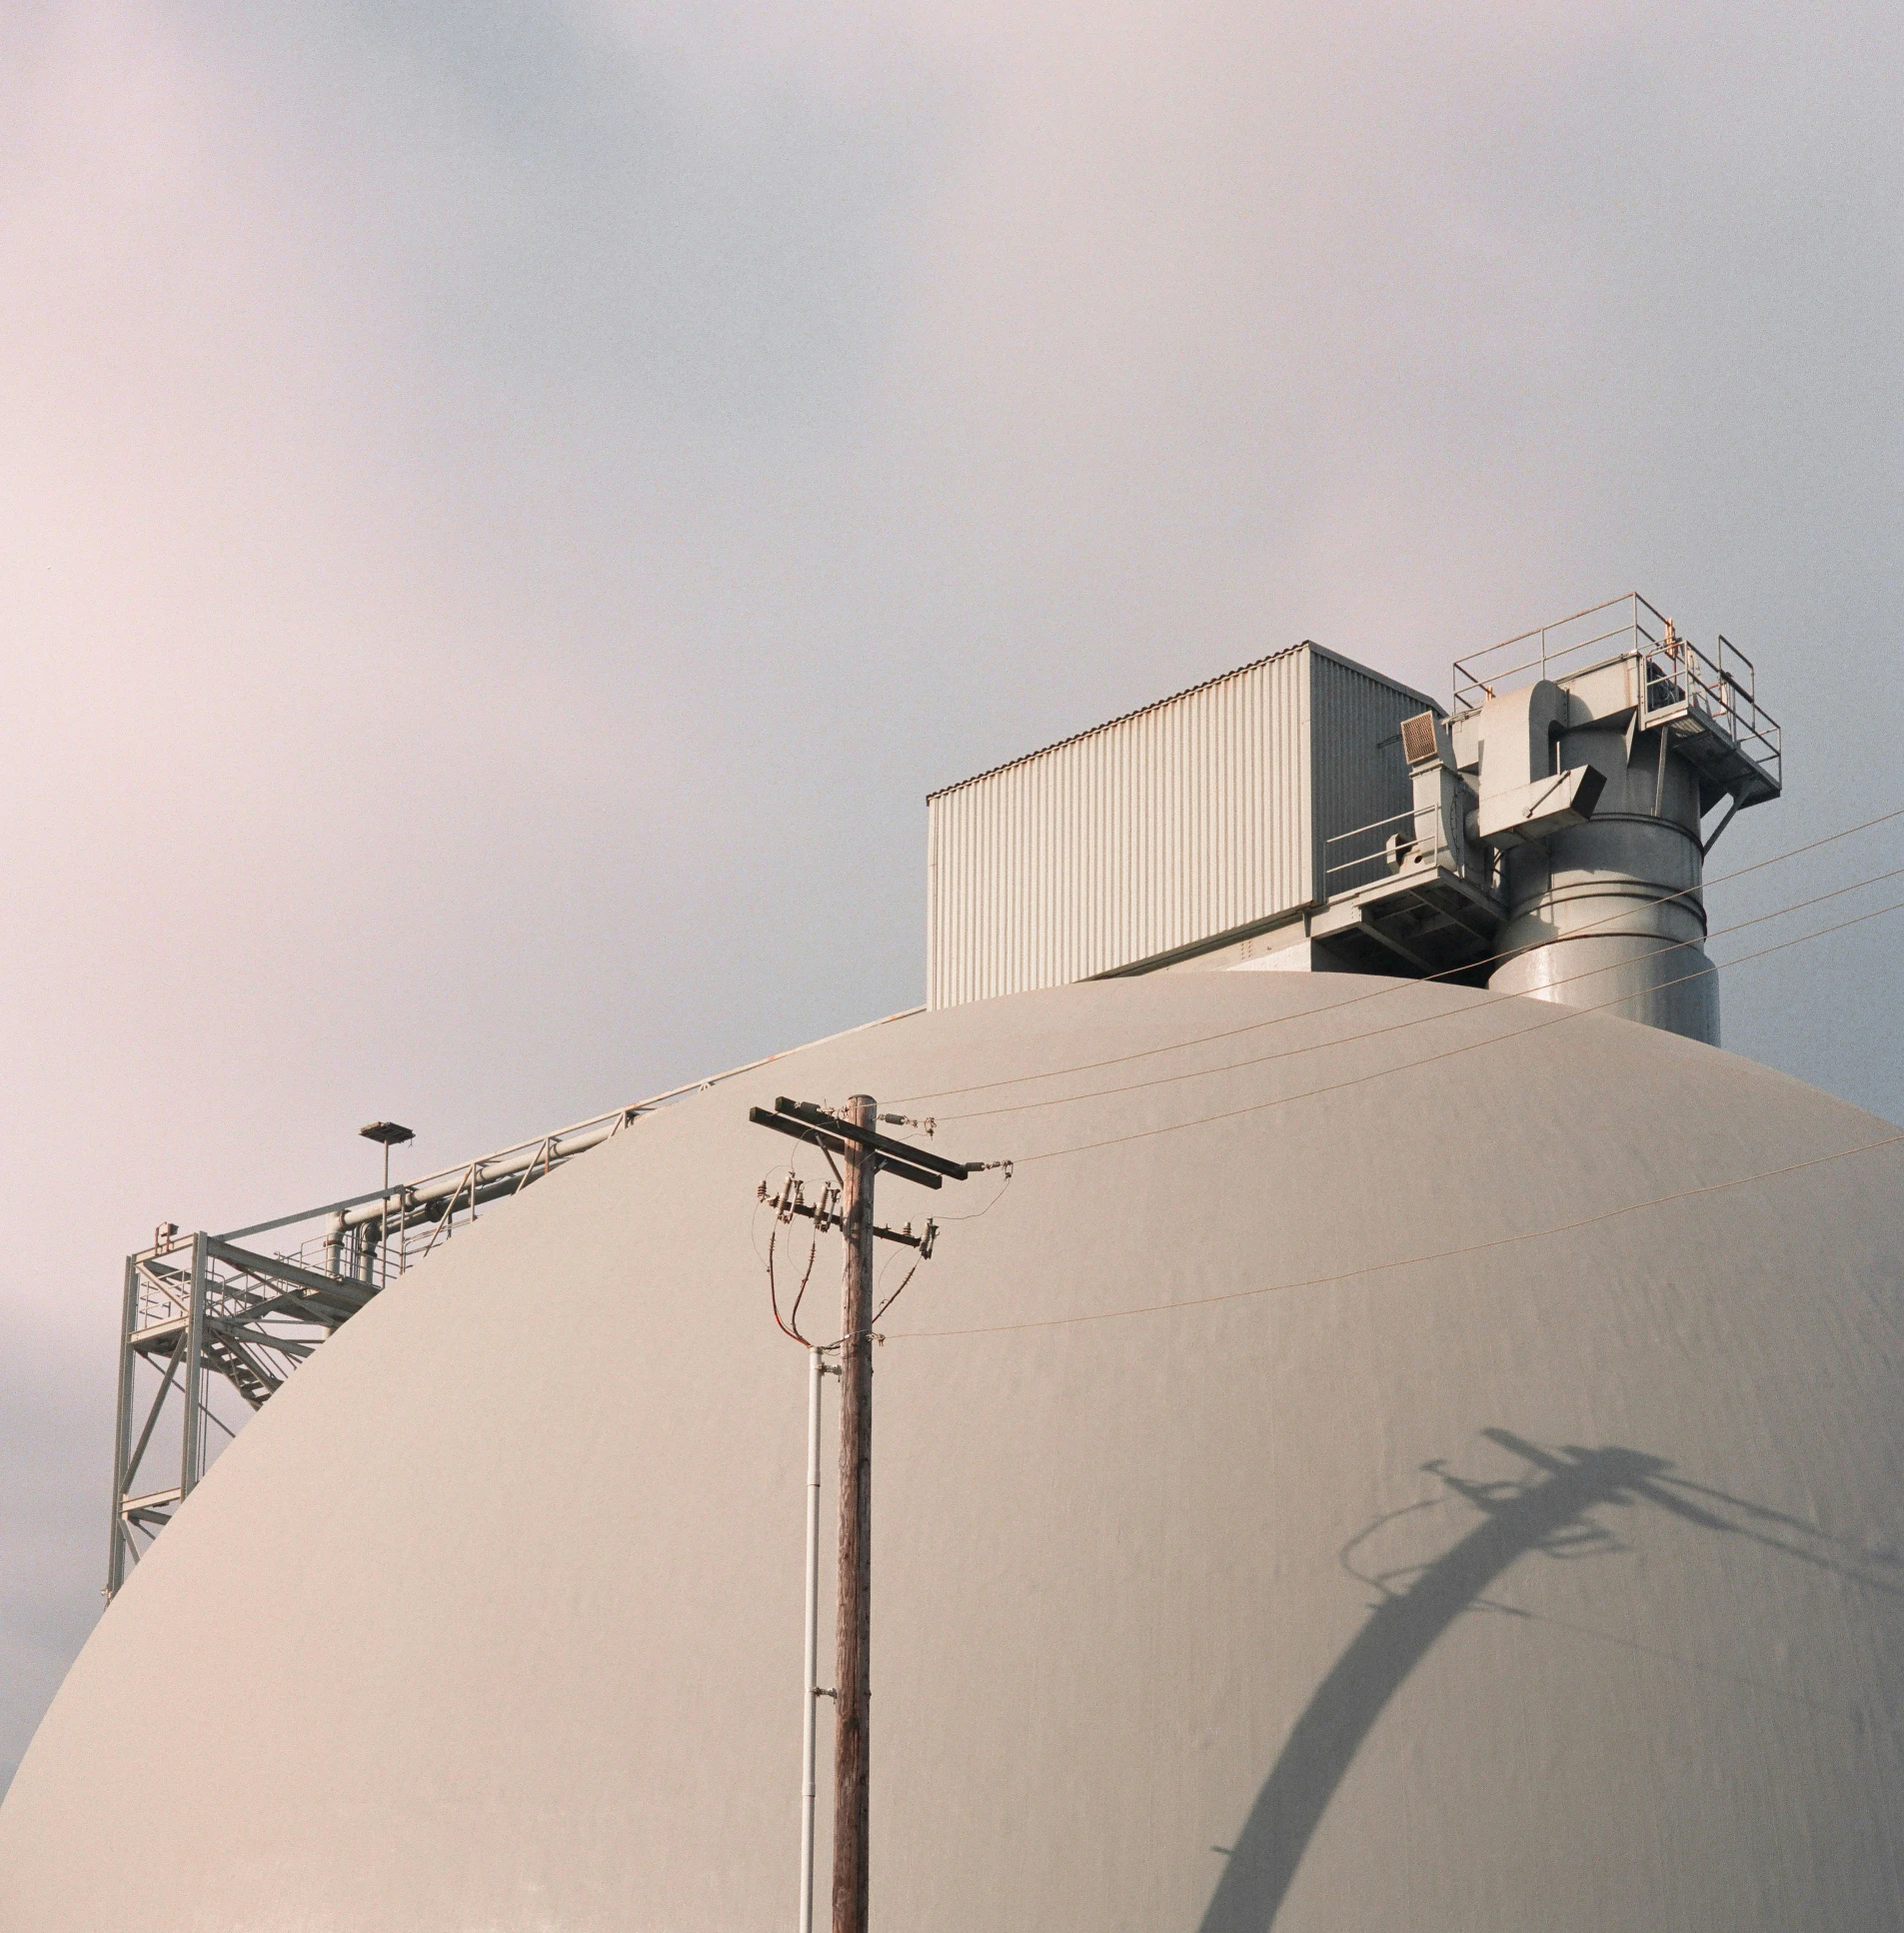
{"x": 1549, "y": 1513}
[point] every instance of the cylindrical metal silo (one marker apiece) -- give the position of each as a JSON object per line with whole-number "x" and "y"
{"x": 1610, "y": 914}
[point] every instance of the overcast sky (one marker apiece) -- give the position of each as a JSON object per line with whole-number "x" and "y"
{"x": 507, "y": 511}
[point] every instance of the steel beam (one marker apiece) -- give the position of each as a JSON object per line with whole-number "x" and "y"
{"x": 122, "y": 1435}
{"x": 191, "y": 1455}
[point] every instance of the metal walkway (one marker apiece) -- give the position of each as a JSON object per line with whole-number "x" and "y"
{"x": 214, "y": 1325}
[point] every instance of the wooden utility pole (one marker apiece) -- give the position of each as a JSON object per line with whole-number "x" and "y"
{"x": 854, "y": 1629}
{"x": 862, "y": 1152}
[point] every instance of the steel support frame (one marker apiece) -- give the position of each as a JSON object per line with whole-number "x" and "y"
{"x": 122, "y": 1556}
{"x": 244, "y": 1318}
{"x": 222, "y": 1329}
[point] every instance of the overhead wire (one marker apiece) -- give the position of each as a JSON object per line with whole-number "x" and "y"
{"x": 789, "y": 1325}
{"x": 1405, "y": 1262}
{"x": 1425, "y": 1019}
{"x": 1568, "y": 1014}
{"x": 979, "y": 1213}
{"x": 1448, "y": 1054}
{"x": 894, "y": 1298}
{"x": 800, "y": 1294}
{"x": 1378, "y": 992}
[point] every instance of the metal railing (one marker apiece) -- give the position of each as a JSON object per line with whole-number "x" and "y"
{"x": 1616, "y": 628}
{"x": 377, "y": 1238}
{"x": 1381, "y": 850}
{"x": 212, "y": 1328}
{"x": 1721, "y": 689}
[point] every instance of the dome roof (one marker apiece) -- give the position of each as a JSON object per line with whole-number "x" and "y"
{"x": 1536, "y": 1564}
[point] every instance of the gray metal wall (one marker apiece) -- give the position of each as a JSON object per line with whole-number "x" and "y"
{"x": 1161, "y": 832}
{"x": 1360, "y": 774}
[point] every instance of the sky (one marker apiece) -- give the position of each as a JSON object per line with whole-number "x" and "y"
{"x": 507, "y": 511}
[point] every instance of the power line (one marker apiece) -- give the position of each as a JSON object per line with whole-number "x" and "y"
{"x": 1378, "y": 992}
{"x": 1419, "y": 1020}
{"x": 1428, "y": 1059}
{"x": 1406, "y": 1262}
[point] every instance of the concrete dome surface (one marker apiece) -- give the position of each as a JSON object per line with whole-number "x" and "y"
{"x": 1467, "y": 1545}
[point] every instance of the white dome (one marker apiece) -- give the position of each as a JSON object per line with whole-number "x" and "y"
{"x": 1552, "y": 1585}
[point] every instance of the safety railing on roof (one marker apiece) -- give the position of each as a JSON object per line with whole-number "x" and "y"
{"x": 1720, "y": 687}
{"x": 1381, "y": 848}
{"x": 213, "y": 1325}
{"x": 1615, "y": 629}
{"x": 380, "y": 1237}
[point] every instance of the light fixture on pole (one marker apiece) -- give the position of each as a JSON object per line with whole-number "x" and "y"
{"x": 391, "y": 1134}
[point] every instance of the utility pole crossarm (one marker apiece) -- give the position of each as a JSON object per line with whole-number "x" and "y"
{"x": 870, "y": 1138}
{"x": 789, "y": 1201}
{"x": 803, "y": 1130}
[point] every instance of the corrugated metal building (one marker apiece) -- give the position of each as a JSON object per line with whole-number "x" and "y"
{"x": 1195, "y": 823}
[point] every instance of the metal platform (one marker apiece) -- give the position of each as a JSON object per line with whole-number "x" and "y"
{"x": 213, "y": 1325}
{"x": 1421, "y": 892}
{"x": 1627, "y": 658}
{"x": 1401, "y": 902}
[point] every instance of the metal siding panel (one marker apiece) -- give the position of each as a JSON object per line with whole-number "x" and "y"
{"x": 1360, "y": 773}
{"x": 1157, "y": 831}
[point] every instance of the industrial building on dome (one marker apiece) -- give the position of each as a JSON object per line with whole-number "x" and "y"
{"x": 1410, "y": 1442}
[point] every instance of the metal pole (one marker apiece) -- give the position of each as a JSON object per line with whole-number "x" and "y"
{"x": 854, "y": 1632}
{"x": 809, "y": 1788}
{"x": 192, "y": 1457}
{"x": 122, "y": 1433}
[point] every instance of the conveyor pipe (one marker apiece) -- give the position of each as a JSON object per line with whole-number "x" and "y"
{"x": 416, "y": 1200}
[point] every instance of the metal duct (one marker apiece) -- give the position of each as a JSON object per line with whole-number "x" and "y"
{"x": 500, "y": 1174}
{"x": 1610, "y": 910}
